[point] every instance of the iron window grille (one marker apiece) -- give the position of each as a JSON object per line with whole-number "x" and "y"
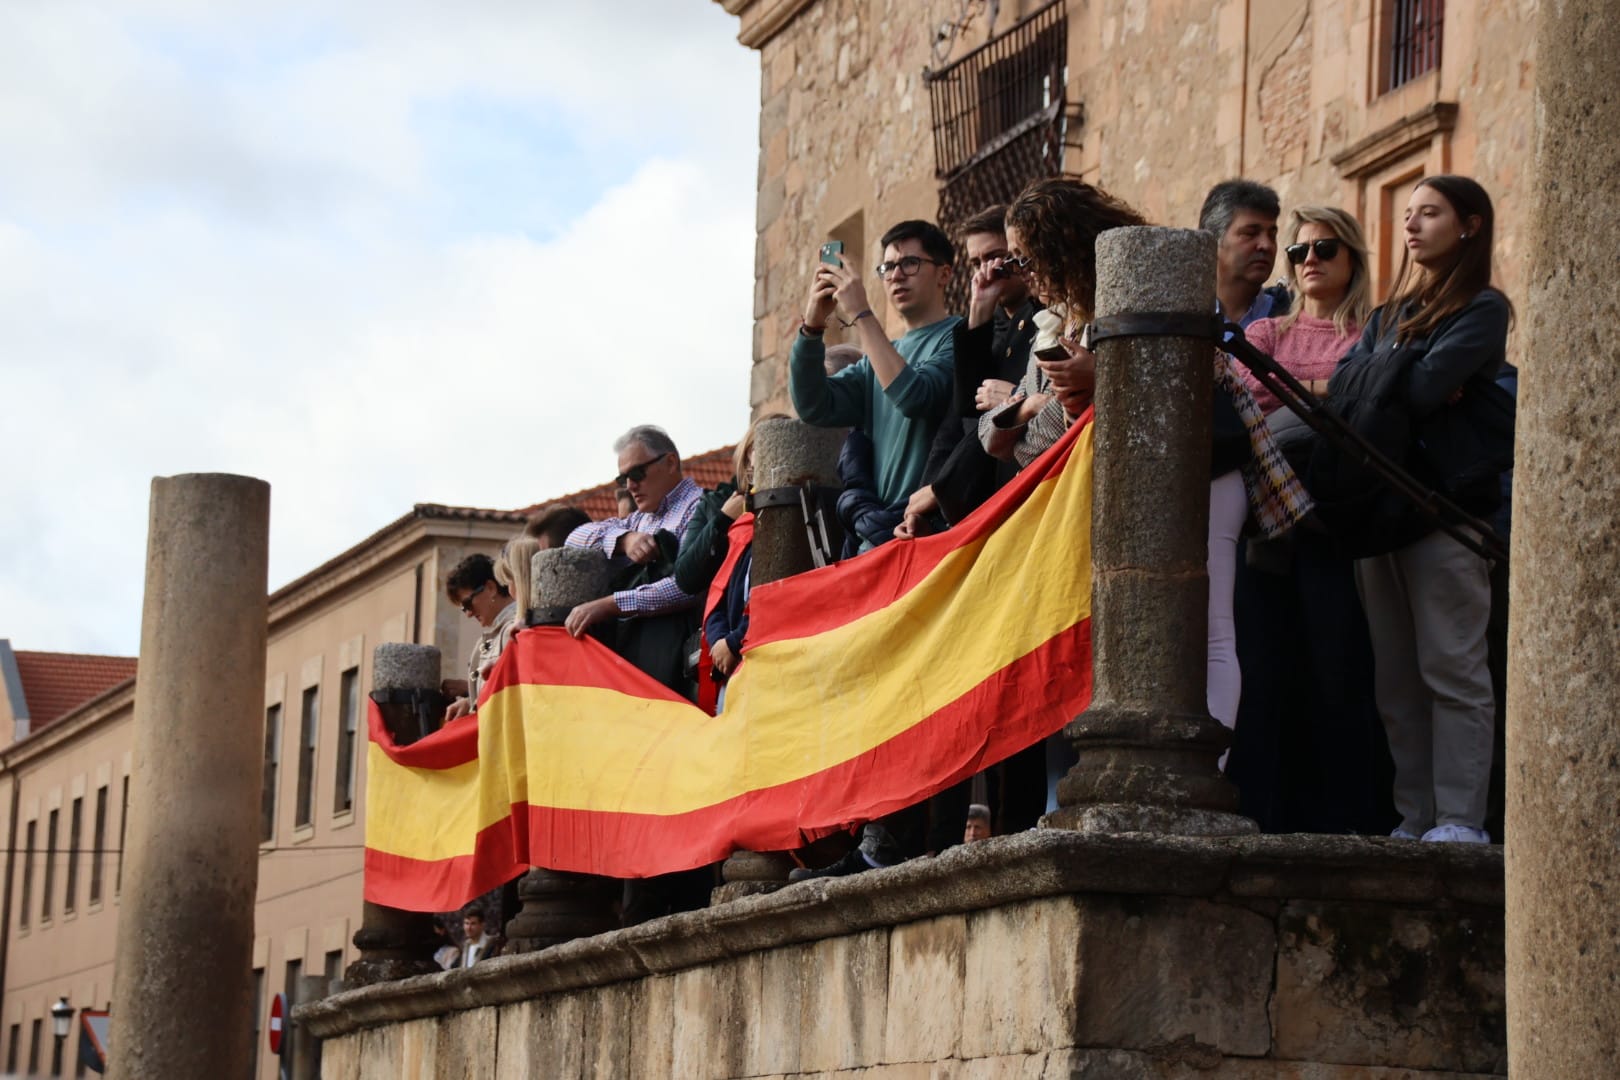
{"x": 1000, "y": 121}
{"x": 1414, "y": 39}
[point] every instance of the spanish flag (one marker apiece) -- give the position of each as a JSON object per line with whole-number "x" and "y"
{"x": 867, "y": 686}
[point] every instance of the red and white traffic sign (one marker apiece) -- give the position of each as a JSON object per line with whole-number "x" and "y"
{"x": 278, "y": 1020}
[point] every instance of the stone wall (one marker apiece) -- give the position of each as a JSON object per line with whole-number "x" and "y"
{"x": 1172, "y": 95}
{"x": 1050, "y": 954}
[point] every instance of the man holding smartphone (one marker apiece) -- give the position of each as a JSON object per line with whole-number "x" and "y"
{"x": 900, "y": 389}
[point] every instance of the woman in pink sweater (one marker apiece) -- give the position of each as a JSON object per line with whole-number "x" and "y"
{"x": 1307, "y": 753}
{"x": 1327, "y": 268}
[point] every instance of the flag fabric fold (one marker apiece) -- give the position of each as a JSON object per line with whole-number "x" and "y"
{"x": 869, "y": 685}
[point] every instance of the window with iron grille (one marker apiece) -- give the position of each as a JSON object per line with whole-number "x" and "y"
{"x": 1414, "y": 39}
{"x": 999, "y": 121}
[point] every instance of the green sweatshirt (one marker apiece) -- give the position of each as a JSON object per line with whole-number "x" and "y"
{"x": 900, "y": 420}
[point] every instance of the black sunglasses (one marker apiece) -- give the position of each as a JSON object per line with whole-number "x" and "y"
{"x": 1326, "y": 250}
{"x": 466, "y": 601}
{"x": 637, "y": 473}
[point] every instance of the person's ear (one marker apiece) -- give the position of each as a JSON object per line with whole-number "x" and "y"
{"x": 1471, "y": 225}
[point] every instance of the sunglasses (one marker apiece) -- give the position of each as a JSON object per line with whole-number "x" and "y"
{"x": 466, "y": 601}
{"x": 635, "y": 474}
{"x": 1326, "y": 250}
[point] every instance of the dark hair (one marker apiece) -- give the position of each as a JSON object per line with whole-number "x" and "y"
{"x": 1059, "y": 219}
{"x": 935, "y": 244}
{"x": 1226, "y": 198}
{"x": 470, "y": 574}
{"x": 992, "y": 219}
{"x": 474, "y": 913}
{"x": 1421, "y": 299}
{"x": 553, "y": 523}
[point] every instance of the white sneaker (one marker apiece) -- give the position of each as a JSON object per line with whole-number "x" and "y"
{"x": 1402, "y": 834}
{"x": 1457, "y": 834}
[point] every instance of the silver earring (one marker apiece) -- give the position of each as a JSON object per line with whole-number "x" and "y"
{"x": 1465, "y": 236}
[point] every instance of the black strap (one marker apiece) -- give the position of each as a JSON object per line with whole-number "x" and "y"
{"x": 784, "y": 496}
{"x": 1155, "y": 324}
{"x": 548, "y": 616}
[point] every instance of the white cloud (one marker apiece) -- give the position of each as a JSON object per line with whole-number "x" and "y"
{"x": 221, "y": 249}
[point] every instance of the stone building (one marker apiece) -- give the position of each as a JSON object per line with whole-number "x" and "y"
{"x": 873, "y": 111}
{"x": 66, "y": 738}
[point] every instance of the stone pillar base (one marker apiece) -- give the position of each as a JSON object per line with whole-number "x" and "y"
{"x": 1114, "y": 818}
{"x": 752, "y": 873}
{"x": 393, "y": 944}
{"x": 559, "y": 907}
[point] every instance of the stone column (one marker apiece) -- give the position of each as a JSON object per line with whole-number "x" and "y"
{"x": 560, "y": 906}
{"x": 397, "y": 944}
{"x": 1148, "y": 746}
{"x": 787, "y": 453}
{"x": 1563, "y": 746}
{"x": 182, "y": 1003}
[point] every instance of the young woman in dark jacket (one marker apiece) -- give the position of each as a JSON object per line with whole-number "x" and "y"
{"x": 1429, "y": 599}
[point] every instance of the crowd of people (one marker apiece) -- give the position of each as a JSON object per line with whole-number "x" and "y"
{"x": 1357, "y": 672}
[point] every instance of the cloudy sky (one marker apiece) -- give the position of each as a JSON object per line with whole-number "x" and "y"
{"x": 376, "y": 253}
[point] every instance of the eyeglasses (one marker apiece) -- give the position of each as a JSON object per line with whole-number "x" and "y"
{"x": 907, "y": 266}
{"x": 1019, "y": 264}
{"x": 1326, "y": 250}
{"x": 466, "y": 601}
{"x": 635, "y": 474}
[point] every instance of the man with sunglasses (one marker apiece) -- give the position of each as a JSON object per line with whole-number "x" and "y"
{"x": 472, "y": 587}
{"x": 900, "y": 389}
{"x": 650, "y": 470}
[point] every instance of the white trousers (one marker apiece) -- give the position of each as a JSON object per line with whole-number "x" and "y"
{"x": 1228, "y": 509}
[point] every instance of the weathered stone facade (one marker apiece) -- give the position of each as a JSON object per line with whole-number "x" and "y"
{"x": 1046, "y": 955}
{"x": 1169, "y": 96}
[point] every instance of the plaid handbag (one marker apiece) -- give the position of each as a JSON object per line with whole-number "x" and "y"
{"x": 1277, "y": 500}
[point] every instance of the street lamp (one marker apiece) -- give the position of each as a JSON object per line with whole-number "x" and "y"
{"x": 61, "y": 1018}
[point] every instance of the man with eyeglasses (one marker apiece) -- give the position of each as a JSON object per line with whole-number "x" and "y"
{"x": 472, "y": 587}
{"x": 650, "y": 470}
{"x": 991, "y": 354}
{"x": 900, "y": 389}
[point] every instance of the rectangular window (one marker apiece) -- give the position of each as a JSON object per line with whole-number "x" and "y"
{"x": 308, "y": 714}
{"x": 272, "y": 762}
{"x": 334, "y": 965}
{"x": 258, "y": 1021}
{"x": 100, "y": 841}
{"x": 75, "y": 831}
{"x": 348, "y": 728}
{"x": 34, "y": 1031}
{"x": 49, "y": 905}
{"x": 11, "y": 1048}
{"x": 1414, "y": 38}
{"x": 28, "y": 872}
{"x": 123, "y": 832}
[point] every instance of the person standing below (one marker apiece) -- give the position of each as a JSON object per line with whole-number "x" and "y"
{"x": 900, "y": 389}
{"x": 1243, "y": 215}
{"x": 479, "y": 946}
{"x": 1428, "y": 601}
{"x": 1306, "y": 753}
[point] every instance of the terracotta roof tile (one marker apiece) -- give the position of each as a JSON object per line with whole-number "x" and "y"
{"x": 708, "y": 470}
{"x": 54, "y": 684}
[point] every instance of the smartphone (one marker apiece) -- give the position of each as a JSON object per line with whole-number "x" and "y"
{"x": 1052, "y": 352}
{"x": 832, "y": 253}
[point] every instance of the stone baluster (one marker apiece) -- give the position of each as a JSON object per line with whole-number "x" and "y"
{"x": 1563, "y": 685}
{"x": 787, "y": 454}
{"x": 559, "y": 906}
{"x": 185, "y": 938}
{"x": 1148, "y": 746}
{"x": 396, "y": 944}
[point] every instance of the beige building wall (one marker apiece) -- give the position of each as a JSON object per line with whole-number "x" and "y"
{"x": 389, "y": 588}
{"x": 1166, "y": 97}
